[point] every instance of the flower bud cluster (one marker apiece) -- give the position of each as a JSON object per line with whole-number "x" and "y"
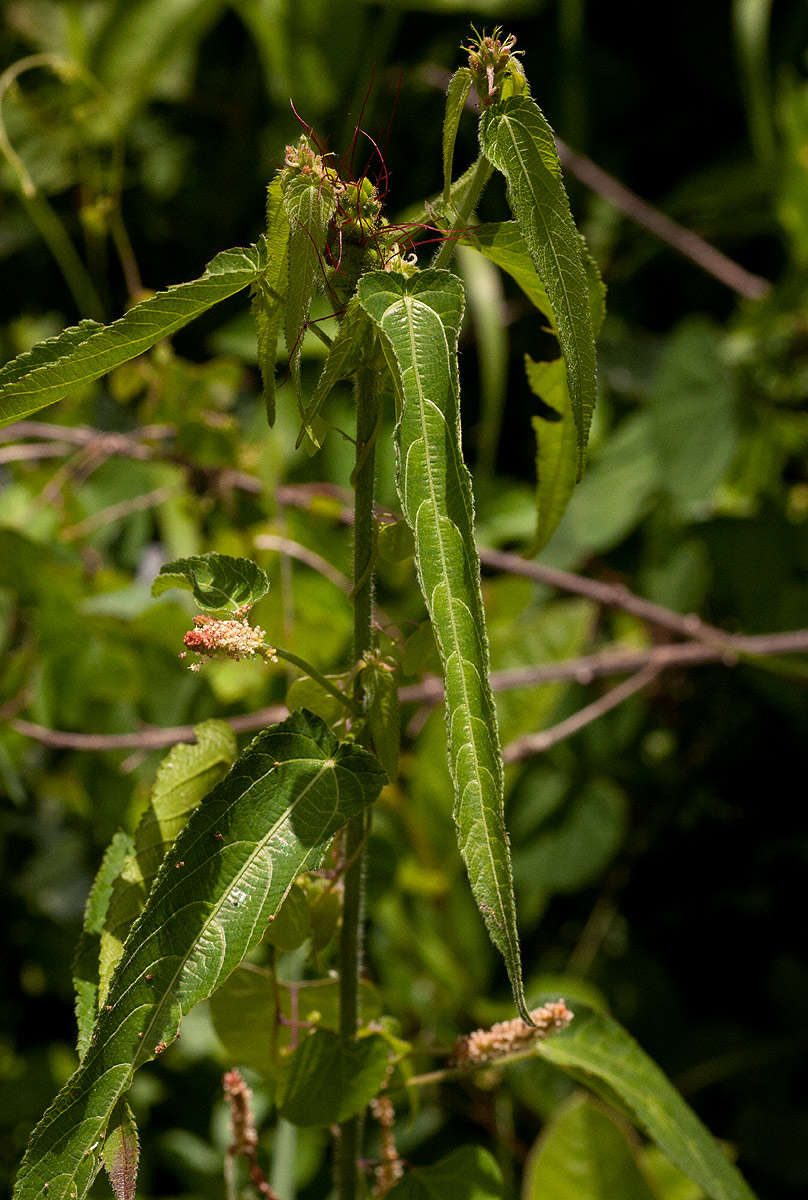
{"x": 214, "y": 638}
{"x": 508, "y": 1037}
{"x": 491, "y": 60}
{"x": 305, "y": 159}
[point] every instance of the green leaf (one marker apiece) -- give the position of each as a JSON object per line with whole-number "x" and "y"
{"x": 220, "y": 584}
{"x": 482, "y": 283}
{"x": 380, "y": 684}
{"x": 269, "y": 293}
{"x": 344, "y": 357}
{"x": 273, "y": 817}
{"x": 583, "y": 1155}
{"x": 515, "y": 137}
{"x": 184, "y": 777}
{"x": 502, "y": 243}
{"x": 245, "y": 1010}
{"x": 468, "y": 1173}
{"x": 86, "y": 352}
{"x": 556, "y": 447}
{"x": 291, "y": 925}
{"x": 693, "y": 413}
{"x": 328, "y": 1079}
{"x": 597, "y": 1051}
{"x": 459, "y": 87}
{"x": 122, "y": 1152}
{"x": 46, "y": 352}
{"x": 85, "y": 963}
{"x": 419, "y": 319}
{"x": 309, "y": 204}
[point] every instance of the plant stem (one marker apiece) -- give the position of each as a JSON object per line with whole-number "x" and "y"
{"x": 318, "y": 677}
{"x": 482, "y": 173}
{"x": 350, "y": 953}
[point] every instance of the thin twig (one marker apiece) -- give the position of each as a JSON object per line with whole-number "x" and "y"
{"x": 615, "y": 595}
{"x": 430, "y": 691}
{"x": 537, "y": 743}
{"x": 684, "y": 241}
{"x": 114, "y": 512}
{"x": 272, "y": 541}
{"x": 33, "y": 451}
{"x": 151, "y": 738}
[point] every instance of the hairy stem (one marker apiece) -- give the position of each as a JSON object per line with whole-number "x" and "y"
{"x": 318, "y": 677}
{"x": 482, "y": 173}
{"x": 350, "y": 953}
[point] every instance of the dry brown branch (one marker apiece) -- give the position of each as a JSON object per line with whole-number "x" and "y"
{"x": 536, "y": 743}
{"x": 272, "y": 541}
{"x": 430, "y": 690}
{"x": 615, "y": 595}
{"x": 115, "y": 512}
{"x": 684, "y": 241}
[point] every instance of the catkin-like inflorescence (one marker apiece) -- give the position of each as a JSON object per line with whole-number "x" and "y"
{"x": 508, "y": 1037}
{"x": 214, "y": 638}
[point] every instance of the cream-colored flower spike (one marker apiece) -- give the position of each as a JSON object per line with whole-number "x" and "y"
{"x": 508, "y": 1037}
{"x": 214, "y": 638}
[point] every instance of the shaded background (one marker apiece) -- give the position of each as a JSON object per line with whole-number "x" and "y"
{"x": 671, "y": 844}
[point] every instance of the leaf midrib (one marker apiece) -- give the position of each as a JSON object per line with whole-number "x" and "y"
{"x": 409, "y": 303}
{"x": 539, "y": 213}
{"x": 145, "y": 1055}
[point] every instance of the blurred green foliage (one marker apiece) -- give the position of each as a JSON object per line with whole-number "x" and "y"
{"x": 659, "y": 854}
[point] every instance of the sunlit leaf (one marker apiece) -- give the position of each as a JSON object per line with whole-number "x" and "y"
{"x": 419, "y": 319}
{"x": 583, "y": 1155}
{"x": 86, "y": 352}
{"x": 459, "y": 87}
{"x": 85, "y": 963}
{"x": 598, "y": 1052}
{"x": 516, "y": 138}
{"x": 184, "y": 777}
{"x": 220, "y": 584}
{"x": 273, "y": 817}
{"x": 310, "y": 204}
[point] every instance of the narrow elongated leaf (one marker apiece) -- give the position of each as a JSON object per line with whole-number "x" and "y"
{"x": 516, "y": 138}
{"x": 271, "y": 818}
{"x": 122, "y": 1152}
{"x": 468, "y": 1173}
{"x": 220, "y": 583}
{"x": 343, "y": 359}
{"x": 556, "y": 447}
{"x": 269, "y": 293}
{"x": 419, "y": 319}
{"x": 598, "y": 1052}
{"x": 47, "y": 352}
{"x": 502, "y": 243}
{"x": 459, "y": 87}
{"x": 84, "y": 353}
{"x": 85, "y": 963}
{"x": 310, "y": 204}
{"x": 185, "y": 775}
{"x": 583, "y": 1155}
